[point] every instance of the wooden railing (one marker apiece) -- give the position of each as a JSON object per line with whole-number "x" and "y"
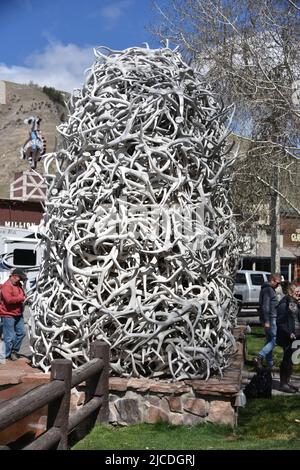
{"x": 57, "y": 395}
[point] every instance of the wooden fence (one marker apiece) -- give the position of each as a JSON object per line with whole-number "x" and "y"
{"x": 57, "y": 395}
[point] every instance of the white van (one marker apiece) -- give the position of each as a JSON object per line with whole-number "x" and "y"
{"x": 247, "y": 286}
{"x": 20, "y": 248}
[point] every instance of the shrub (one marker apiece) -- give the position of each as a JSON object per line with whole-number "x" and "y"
{"x": 55, "y": 95}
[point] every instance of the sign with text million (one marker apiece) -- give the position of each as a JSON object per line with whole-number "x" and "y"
{"x": 11, "y": 224}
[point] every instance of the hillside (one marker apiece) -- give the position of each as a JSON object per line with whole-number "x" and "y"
{"x": 23, "y": 101}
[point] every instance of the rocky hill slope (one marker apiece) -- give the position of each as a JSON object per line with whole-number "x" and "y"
{"x": 22, "y": 101}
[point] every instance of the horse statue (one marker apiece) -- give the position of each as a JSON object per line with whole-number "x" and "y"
{"x": 35, "y": 146}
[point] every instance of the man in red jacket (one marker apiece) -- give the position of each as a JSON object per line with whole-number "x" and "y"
{"x": 11, "y": 313}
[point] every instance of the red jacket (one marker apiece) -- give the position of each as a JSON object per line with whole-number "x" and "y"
{"x": 11, "y": 300}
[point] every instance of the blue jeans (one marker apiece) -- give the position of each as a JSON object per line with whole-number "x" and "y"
{"x": 266, "y": 352}
{"x": 13, "y": 333}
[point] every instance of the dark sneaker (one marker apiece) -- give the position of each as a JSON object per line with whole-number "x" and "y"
{"x": 257, "y": 363}
{"x": 14, "y": 356}
{"x": 287, "y": 389}
{"x": 294, "y": 387}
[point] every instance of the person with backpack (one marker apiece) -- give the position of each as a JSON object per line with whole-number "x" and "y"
{"x": 11, "y": 312}
{"x": 287, "y": 311}
{"x": 267, "y": 313}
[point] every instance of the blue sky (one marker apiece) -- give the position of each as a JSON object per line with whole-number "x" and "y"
{"x": 50, "y": 42}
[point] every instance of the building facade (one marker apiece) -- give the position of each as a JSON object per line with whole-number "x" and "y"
{"x": 20, "y": 214}
{"x": 259, "y": 256}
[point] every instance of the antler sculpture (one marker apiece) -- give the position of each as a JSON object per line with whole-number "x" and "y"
{"x": 140, "y": 241}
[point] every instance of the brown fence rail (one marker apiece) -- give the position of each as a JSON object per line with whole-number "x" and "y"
{"x": 57, "y": 395}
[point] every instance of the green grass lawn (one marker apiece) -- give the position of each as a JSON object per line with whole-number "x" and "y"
{"x": 255, "y": 342}
{"x": 263, "y": 424}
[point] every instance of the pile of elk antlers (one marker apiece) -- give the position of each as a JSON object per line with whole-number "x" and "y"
{"x": 140, "y": 242}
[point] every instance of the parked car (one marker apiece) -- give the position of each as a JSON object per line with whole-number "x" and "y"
{"x": 247, "y": 286}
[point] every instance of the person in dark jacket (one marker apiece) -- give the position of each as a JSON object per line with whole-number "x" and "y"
{"x": 11, "y": 313}
{"x": 267, "y": 313}
{"x": 287, "y": 311}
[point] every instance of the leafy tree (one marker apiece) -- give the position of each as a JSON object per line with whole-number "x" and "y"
{"x": 249, "y": 52}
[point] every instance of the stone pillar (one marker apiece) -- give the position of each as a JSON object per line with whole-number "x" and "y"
{"x": 2, "y": 92}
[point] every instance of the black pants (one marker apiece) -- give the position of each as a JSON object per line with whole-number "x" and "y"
{"x": 286, "y": 366}
{"x": 287, "y": 357}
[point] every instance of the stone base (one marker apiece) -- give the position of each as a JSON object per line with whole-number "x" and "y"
{"x": 187, "y": 402}
{"x": 187, "y": 408}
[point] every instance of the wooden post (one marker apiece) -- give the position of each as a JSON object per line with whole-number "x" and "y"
{"x": 58, "y": 410}
{"x": 98, "y": 385}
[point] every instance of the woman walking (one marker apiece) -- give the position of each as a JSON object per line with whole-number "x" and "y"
{"x": 287, "y": 311}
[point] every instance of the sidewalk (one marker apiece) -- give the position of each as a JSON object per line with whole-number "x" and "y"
{"x": 15, "y": 372}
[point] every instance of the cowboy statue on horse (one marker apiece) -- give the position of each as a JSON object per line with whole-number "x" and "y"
{"x": 35, "y": 146}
